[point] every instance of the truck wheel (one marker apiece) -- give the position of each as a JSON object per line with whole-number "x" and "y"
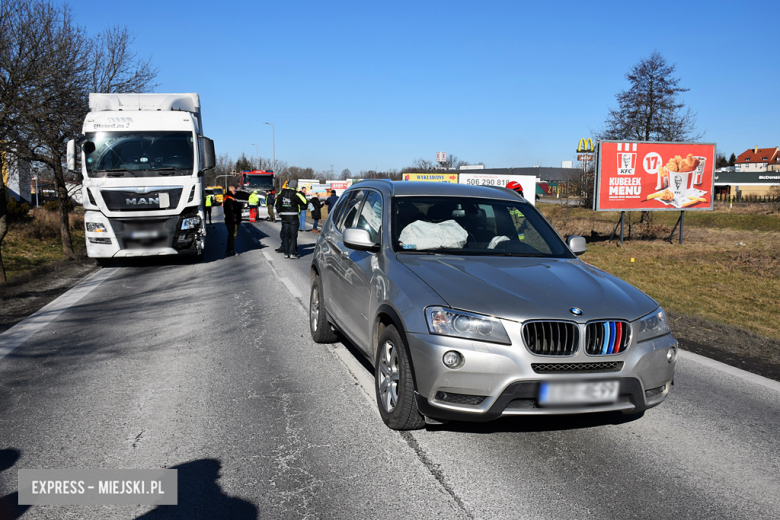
{"x": 394, "y": 385}
{"x": 321, "y": 331}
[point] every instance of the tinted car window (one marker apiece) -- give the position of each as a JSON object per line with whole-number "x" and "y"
{"x": 351, "y": 207}
{"x": 370, "y": 217}
{"x": 473, "y": 226}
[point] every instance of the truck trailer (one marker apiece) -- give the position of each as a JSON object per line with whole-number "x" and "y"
{"x": 143, "y": 158}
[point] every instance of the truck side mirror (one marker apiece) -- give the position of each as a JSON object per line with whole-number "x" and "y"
{"x": 209, "y": 157}
{"x": 72, "y": 155}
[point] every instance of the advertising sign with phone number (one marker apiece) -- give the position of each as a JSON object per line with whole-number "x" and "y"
{"x": 654, "y": 176}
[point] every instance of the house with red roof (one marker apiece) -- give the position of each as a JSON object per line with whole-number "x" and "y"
{"x": 758, "y": 159}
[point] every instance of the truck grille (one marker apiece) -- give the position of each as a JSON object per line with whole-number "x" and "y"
{"x": 551, "y": 338}
{"x": 607, "y": 337}
{"x": 130, "y": 200}
{"x": 546, "y": 368}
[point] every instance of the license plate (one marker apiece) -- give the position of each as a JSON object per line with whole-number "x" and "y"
{"x": 578, "y": 393}
{"x": 144, "y": 234}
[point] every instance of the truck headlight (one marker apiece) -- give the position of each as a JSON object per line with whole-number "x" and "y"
{"x": 95, "y": 227}
{"x": 653, "y": 325}
{"x": 460, "y": 324}
{"x": 190, "y": 223}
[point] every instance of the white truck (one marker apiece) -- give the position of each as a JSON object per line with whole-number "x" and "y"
{"x": 143, "y": 158}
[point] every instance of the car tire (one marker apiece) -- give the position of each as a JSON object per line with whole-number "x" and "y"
{"x": 394, "y": 384}
{"x": 321, "y": 330}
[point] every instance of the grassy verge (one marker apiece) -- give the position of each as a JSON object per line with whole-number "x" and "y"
{"x": 36, "y": 241}
{"x": 727, "y": 270}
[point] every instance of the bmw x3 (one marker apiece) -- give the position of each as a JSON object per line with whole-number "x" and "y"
{"x": 470, "y": 306}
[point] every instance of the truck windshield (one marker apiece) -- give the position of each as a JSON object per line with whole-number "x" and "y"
{"x": 139, "y": 154}
{"x": 263, "y": 182}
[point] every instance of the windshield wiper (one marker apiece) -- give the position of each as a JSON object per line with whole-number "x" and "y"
{"x": 116, "y": 172}
{"x": 170, "y": 170}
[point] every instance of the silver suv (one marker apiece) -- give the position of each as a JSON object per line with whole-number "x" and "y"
{"x": 471, "y": 307}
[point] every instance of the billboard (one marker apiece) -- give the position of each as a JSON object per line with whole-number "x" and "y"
{"x": 432, "y": 177}
{"x": 654, "y": 176}
{"x": 528, "y": 182}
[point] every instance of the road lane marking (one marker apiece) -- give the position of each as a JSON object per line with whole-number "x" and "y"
{"x": 290, "y": 287}
{"x": 728, "y": 369}
{"x": 20, "y": 332}
{"x": 268, "y": 257}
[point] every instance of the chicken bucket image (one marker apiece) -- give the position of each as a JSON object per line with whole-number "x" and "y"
{"x": 679, "y": 184}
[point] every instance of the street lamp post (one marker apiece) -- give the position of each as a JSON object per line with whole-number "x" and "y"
{"x": 257, "y": 155}
{"x": 273, "y": 136}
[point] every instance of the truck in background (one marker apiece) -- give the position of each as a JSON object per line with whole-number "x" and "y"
{"x": 143, "y": 158}
{"x": 217, "y": 191}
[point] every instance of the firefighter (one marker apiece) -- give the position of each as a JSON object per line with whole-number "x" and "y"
{"x": 232, "y": 210}
{"x": 517, "y": 215}
{"x": 254, "y": 202}
{"x": 289, "y": 204}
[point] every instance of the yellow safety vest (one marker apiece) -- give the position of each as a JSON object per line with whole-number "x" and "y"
{"x": 208, "y": 201}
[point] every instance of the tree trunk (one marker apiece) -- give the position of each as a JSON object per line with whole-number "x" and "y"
{"x": 62, "y": 206}
{"x": 3, "y": 226}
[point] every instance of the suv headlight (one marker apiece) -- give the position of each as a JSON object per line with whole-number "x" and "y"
{"x": 653, "y": 325}
{"x": 190, "y": 223}
{"x": 449, "y": 322}
{"x": 96, "y": 227}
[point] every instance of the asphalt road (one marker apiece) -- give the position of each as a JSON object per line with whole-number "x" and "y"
{"x": 209, "y": 368}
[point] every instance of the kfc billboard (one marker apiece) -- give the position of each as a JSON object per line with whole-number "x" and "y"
{"x": 651, "y": 176}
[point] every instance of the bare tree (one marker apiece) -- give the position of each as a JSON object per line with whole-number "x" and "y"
{"x": 49, "y": 65}
{"x": 650, "y": 110}
{"x": 115, "y": 67}
{"x": 345, "y": 174}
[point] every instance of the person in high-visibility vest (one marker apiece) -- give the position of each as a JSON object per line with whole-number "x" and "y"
{"x": 253, "y": 201}
{"x": 209, "y": 203}
{"x": 517, "y": 215}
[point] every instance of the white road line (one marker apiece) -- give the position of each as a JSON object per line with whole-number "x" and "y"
{"x": 728, "y": 369}
{"x": 268, "y": 257}
{"x": 290, "y": 287}
{"x": 20, "y": 332}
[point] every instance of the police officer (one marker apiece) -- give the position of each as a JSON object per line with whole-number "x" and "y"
{"x": 209, "y": 203}
{"x": 232, "y": 210}
{"x": 289, "y": 204}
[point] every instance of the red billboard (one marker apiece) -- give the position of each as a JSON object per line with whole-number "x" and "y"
{"x": 650, "y": 176}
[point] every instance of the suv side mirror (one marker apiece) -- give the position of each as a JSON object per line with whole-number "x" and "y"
{"x": 359, "y": 240}
{"x": 576, "y": 244}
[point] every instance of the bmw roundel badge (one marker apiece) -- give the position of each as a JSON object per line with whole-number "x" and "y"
{"x": 576, "y": 311}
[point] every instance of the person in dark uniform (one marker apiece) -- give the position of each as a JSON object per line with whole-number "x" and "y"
{"x": 232, "y": 210}
{"x": 289, "y": 205}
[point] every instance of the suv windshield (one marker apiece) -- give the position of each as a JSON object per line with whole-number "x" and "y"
{"x": 139, "y": 154}
{"x": 472, "y": 226}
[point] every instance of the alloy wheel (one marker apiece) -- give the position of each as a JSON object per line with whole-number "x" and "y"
{"x": 388, "y": 376}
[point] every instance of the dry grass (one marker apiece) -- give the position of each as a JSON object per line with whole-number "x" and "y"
{"x": 36, "y": 241}
{"x": 710, "y": 275}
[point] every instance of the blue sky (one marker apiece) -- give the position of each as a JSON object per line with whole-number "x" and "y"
{"x": 376, "y": 85}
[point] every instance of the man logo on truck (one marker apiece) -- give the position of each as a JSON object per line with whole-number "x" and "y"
{"x": 150, "y": 200}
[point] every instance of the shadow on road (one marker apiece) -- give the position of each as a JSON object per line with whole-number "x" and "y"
{"x": 9, "y": 504}
{"x": 201, "y": 497}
